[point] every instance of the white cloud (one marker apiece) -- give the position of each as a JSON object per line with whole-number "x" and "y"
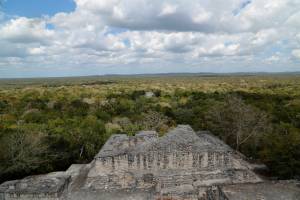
{"x": 165, "y": 35}
{"x": 168, "y": 9}
{"x": 272, "y": 59}
{"x": 24, "y": 30}
{"x": 294, "y": 21}
{"x": 264, "y": 36}
{"x": 192, "y": 15}
{"x": 296, "y": 53}
{"x": 37, "y": 50}
{"x": 202, "y": 17}
{"x": 9, "y": 50}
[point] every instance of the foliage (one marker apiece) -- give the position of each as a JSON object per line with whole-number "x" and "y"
{"x": 236, "y": 122}
{"x": 46, "y": 125}
{"x": 282, "y": 151}
{"x": 22, "y": 152}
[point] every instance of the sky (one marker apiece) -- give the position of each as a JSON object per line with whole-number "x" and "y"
{"x": 50, "y": 38}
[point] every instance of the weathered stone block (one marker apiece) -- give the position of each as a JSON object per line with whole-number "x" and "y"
{"x": 44, "y": 187}
{"x": 182, "y": 165}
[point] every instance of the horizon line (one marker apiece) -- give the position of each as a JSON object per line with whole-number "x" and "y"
{"x": 157, "y": 74}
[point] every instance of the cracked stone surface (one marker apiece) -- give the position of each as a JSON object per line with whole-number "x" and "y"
{"x": 181, "y": 165}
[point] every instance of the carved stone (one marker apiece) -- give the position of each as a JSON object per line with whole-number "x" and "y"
{"x": 181, "y": 165}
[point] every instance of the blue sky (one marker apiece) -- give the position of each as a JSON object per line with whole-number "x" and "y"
{"x": 40, "y": 38}
{"x": 37, "y": 8}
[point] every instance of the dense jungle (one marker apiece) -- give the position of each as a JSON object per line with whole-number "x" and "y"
{"x": 48, "y": 124}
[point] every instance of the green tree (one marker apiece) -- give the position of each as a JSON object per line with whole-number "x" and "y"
{"x": 34, "y": 116}
{"x": 237, "y": 122}
{"x": 22, "y": 153}
{"x": 3, "y": 106}
{"x": 91, "y": 137}
{"x": 154, "y": 121}
{"x": 78, "y": 108}
{"x": 281, "y": 151}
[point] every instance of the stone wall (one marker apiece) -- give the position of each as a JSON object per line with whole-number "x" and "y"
{"x": 181, "y": 165}
{"x": 215, "y": 193}
{"x": 154, "y": 161}
{"x": 126, "y": 171}
{"x": 45, "y": 187}
{"x": 163, "y": 170}
{"x": 29, "y": 197}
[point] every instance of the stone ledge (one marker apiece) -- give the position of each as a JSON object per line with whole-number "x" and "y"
{"x": 49, "y": 186}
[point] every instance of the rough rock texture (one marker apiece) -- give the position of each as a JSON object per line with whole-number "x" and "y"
{"x": 282, "y": 190}
{"x": 182, "y": 165}
{"x": 179, "y": 163}
{"x": 49, "y": 186}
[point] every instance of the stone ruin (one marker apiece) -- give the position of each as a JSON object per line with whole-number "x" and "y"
{"x": 182, "y": 165}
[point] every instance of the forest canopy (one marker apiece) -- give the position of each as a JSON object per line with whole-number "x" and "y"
{"x": 47, "y": 125}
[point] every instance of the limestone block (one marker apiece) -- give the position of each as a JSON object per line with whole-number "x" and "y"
{"x": 44, "y": 187}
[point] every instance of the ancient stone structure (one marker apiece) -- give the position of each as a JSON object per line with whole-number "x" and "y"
{"x": 182, "y": 165}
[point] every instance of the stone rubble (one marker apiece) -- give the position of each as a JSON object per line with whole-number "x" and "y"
{"x": 182, "y": 165}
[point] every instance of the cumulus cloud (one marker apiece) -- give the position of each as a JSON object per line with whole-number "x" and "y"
{"x": 24, "y": 30}
{"x": 296, "y": 53}
{"x": 192, "y": 15}
{"x": 110, "y": 36}
{"x": 9, "y": 50}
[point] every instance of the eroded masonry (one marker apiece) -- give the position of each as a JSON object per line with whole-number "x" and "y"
{"x": 181, "y": 165}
